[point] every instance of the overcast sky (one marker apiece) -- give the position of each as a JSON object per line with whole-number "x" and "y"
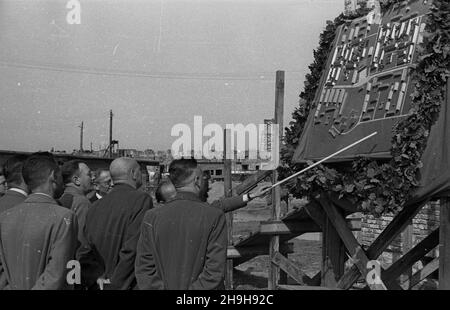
{"x": 155, "y": 63}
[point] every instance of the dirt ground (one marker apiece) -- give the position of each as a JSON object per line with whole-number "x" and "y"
{"x": 253, "y": 274}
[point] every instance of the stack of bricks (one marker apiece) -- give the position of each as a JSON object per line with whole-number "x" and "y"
{"x": 423, "y": 224}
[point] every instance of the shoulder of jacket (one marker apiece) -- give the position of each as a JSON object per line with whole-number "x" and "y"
{"x": 61, "y": 211}
{"x": 82, "y": 200}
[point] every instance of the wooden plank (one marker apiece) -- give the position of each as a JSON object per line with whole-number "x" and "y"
{"x": 395, "y": 227}
{"x": 276, "y": 192}
{"x": 407, "y": 261}
{"x": 407, "y": 245}
{"x": 256, "y": 250}
{"x": 291, "y": 269}
{"x": 422, "y": 274}
{"x": 343, "y": 203}
{"x": 358, "y": 256}
{"x": 229, "y": 215}
{"x": 444, "y": 245}
{"x": 333, "y": 251}
{"x": 300, "y": 227}
{"x": 283, "y": 275}
{"x": 288, "y": 227}
{"x": 315, "y": 211}
{"x": 333, "y": 256}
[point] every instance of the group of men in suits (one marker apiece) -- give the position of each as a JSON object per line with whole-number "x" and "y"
{"x": 117, "y": 237}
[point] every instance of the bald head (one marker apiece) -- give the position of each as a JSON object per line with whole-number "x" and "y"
{"x": 126, "y": 170}
{"x": 166, "y": 191}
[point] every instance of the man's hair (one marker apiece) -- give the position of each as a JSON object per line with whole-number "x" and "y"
{"x": 12, "y": 169}
{"x": 180, "y": 170}
{"x": 70, "y": 169}
{"x": 37, "y": 168}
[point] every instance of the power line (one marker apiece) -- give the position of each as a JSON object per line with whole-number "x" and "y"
{"x": 249, "y": 76}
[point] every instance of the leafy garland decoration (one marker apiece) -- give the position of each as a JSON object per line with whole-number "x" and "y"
{"x": 378, "y": 187}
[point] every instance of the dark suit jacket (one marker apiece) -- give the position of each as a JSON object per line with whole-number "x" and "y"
{"x": 11, "y": 199}
{"x": 79, "y": 204}
{"x": 111, "y": 232}
{"x": 182, "y": 246}
{"x": 37, "y": 240}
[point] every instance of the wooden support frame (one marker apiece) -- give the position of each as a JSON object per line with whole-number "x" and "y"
{"x": 395, "y": 227}
{"x": 299, "y": 227}
{"x": 326, "y": 215}
{"x": 238, "y": 252}
{"x": 333, "y": 256}
{"x": 407, "y": 260}
{"x": 358, "y": 256}
{"x": 333, "y": 250}
{"x": 422, "y": 274}
{"x": 292, "y": 270}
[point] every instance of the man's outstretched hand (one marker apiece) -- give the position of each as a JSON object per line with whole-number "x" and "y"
{"x": 261, "y": 191}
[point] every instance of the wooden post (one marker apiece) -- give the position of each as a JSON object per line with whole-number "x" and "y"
{"x": 407, "y": 245}
{"x": 283, "y": 275}
{"x": 333, "y": 256}
{"x": 274, "y": 271}
{"x": 444, "y": 245}
{"x": 394, "y": 228}
{"x": 358, "y": 255}
{"x": 227, "y": 147}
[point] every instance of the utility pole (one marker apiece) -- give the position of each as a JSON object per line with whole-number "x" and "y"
{"x": 110, "y": 133}
{"x": 81, "y": 136}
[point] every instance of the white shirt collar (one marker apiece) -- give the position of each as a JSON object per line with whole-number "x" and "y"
{"x": 19, "y": 191}
{"x": 98, "y": 196}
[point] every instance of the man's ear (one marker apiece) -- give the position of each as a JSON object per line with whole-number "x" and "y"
{"x": 198, "y": 180}
{"x": 52, "y": 177}
{"x": 134, "y": 174}
{"x": 76, "y": 180}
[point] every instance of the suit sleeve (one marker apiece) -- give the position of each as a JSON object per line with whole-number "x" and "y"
{"x": 61, "y": 252}
{"x": 123, "y": 276}
{"x": 230, "y": 204}
{"x": 213, "y": 272}
{"x": 147, "y": 275}
{"x": 92, "y": 264}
